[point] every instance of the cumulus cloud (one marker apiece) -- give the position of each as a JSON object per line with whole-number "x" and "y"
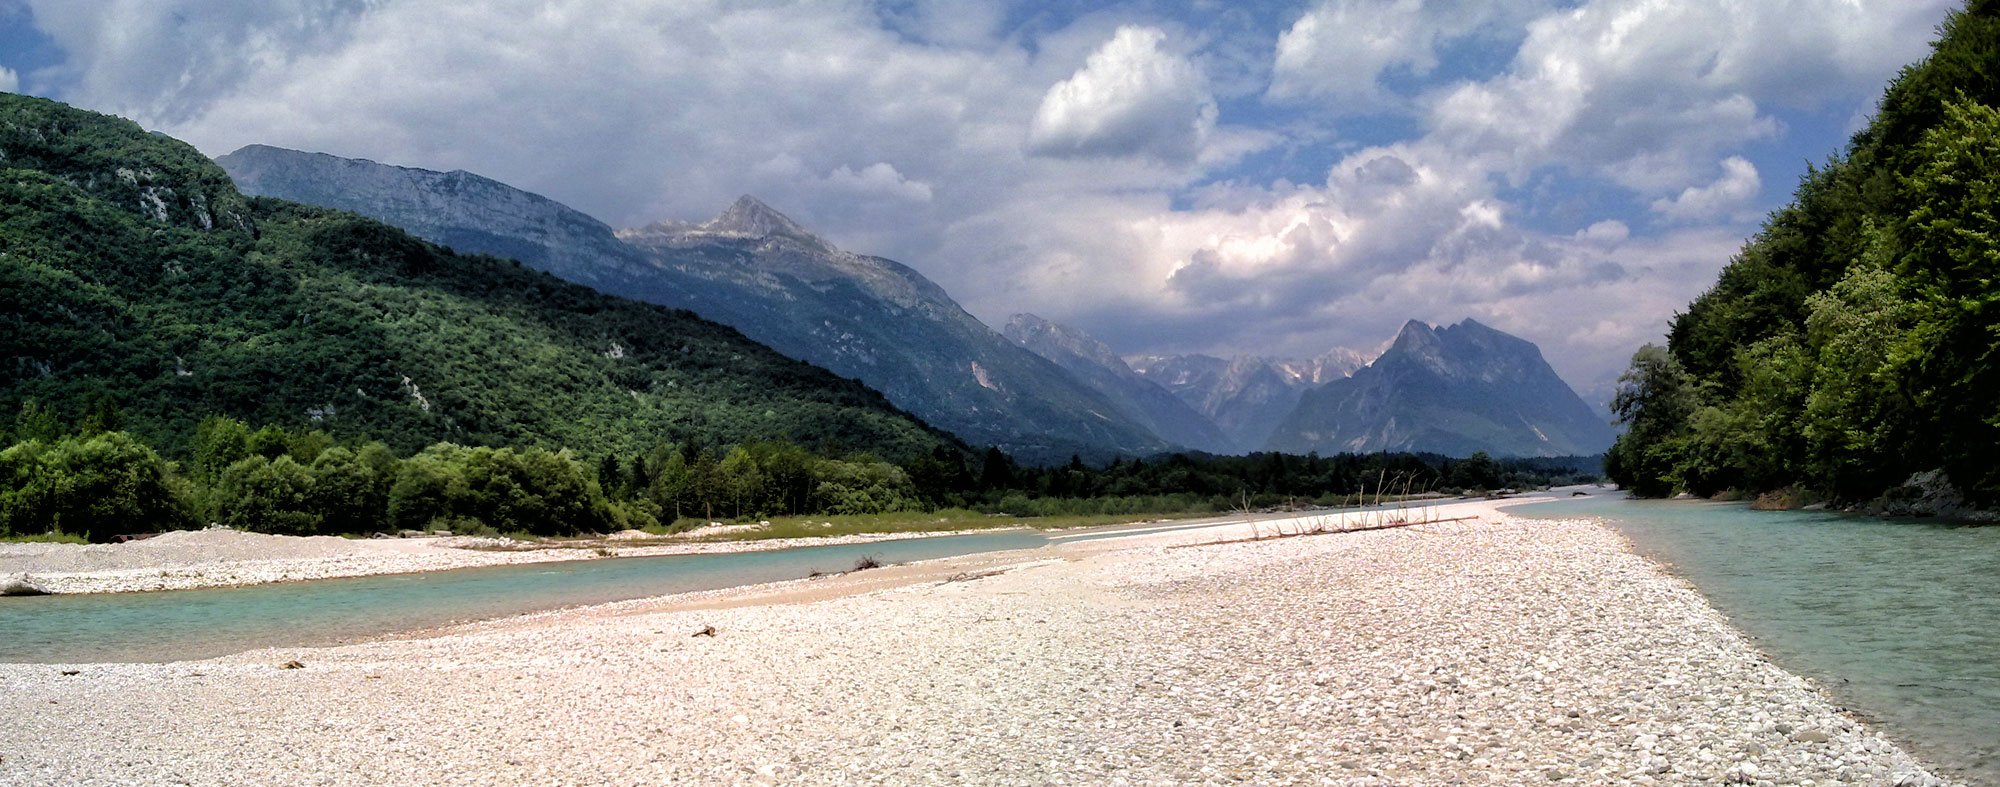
{"x": 1339, "y": 49}
{"x": 1131, "y": 98}
{"x": 1646, "y": 94}
{"x": 1729, "y": 195}
{"x": 1609, "y": 232}
{"x": 166, "y": 60}
{"x": 10, "y": 82}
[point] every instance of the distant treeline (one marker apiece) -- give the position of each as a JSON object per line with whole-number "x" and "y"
{"x": 1855, "y": 340}
{"x": 93, "y": 479}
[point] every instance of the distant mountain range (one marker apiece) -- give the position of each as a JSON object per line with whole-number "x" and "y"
{"x": 1453, "y": 391}
{"x": 1143, "y": 400}
{"x": 1042, "y": 391}
{"x": 1247, "y": 396}
{"x": 752, "y": 268}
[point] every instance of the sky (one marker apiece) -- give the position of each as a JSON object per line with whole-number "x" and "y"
{"x": 1273, "y": 178}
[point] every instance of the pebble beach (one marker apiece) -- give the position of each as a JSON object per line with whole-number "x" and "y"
{"x": 221, "y": 557}
{"x": 1489, "y": 650}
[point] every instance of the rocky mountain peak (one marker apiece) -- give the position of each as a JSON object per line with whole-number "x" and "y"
{"x": 750, "y": 216}
{"x": 1452, "y": 390}
{"x": 1420, "y": 342}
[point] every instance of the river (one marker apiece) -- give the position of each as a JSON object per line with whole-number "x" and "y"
{"x": 190, "y": 624}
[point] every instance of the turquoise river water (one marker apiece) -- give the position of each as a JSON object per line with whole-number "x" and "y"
{"x": 187, "y": 624}
{"x": 191, "y": 624}
{"x": 1898, "y": 619}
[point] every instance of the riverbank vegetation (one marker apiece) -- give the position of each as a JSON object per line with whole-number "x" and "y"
{"x": 1855, "y": 341}
{"x": 96, "y": 482}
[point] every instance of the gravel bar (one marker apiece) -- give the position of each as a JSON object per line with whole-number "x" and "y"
{"x": 1486, "y": 651}
{"x": 221, "y": 557}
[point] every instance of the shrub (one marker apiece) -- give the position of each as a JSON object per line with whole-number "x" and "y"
{"x": 103, "y": 484}
{"x": 267, "y": 496}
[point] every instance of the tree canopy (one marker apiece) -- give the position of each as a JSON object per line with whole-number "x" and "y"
{"x": 1855, "y": 339}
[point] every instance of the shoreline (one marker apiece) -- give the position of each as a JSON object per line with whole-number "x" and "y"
{"x": 1846, "y": 700}
{"x": 220, "y": 557}
{"x": 186, "y": 563}
{"x": 1493, "y": 651}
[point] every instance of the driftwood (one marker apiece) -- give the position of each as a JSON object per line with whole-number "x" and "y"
{"x": 1327, "y": 532}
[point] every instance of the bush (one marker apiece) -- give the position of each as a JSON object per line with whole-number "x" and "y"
{"x": 99, "y": 485}
{"x": 267, "y": 496}
{"x": 537, "y": 491}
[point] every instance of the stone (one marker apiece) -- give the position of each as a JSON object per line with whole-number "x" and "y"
{"x": 19, "y": 585}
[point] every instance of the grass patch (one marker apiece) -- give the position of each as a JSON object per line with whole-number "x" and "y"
{"x": 56, "y": 537}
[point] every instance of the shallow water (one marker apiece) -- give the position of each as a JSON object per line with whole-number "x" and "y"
{"x": 187, "y": 624}
{"x": 190, "y": 624}
{"x": 1898, "y": 619}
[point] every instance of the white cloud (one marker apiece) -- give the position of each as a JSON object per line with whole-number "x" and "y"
{"x": 1340, "y": 49}
{"x": 880, "y": 178}
{"x": 1647, "y": 93}
{"x": 1728, "y": 196}
{"x": 10, "y": 82}
{"x": 164, "y": 61}
{"x": 1130, "y": 98}
{"x": 1609, "y": 232}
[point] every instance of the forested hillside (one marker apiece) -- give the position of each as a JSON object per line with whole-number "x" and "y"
{"x": 1853, "y": 341}
{"x": 137, "y": 284}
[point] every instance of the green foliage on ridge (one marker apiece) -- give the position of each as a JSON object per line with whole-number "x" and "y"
{"x": 1856, "y": 339}
{"x": 135, "y": 280}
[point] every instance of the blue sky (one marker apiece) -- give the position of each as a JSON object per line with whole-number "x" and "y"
{"x": 1203, "y": 176}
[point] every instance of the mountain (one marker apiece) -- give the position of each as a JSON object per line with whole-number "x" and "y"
{"x": 752, "y": 268}
{"x": 458, "y": 210}
{"x": 1101, "y": 369}
{"x": 133, "y": 269}
{"x": 881, "y": 322}
{"x": 1248, "y": 396}
{"x": 1453, "y": 391}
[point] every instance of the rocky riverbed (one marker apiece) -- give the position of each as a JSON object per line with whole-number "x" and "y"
{"x": 1485, "y": 651}
{"x": 221, "y": 557}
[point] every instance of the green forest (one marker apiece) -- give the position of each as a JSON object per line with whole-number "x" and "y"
{"x": 1851, "y": 343}
{"x": 91, "y": 481}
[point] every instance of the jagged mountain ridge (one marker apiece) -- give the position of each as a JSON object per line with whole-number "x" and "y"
{"x": 1096, "y": 365}
{"x": 1455, "y": 391}
{"x": 752, "y": 268}
{"x": 456, "y": 209}
{"x": 1246, "y": 397}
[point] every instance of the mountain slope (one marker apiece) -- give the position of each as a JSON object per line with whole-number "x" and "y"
{"x": 1246, "y": 397}
{"x": 458, "y": 210}
{"x": 1141, "y": 399}
{"x": 1853, "y": 345}
{"x": 1453, "y": 391}
{"x": 752, "y": 268}
{"x": 133, "y": 268}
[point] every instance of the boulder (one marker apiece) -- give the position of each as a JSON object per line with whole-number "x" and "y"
{"x": 18, "y": 585}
